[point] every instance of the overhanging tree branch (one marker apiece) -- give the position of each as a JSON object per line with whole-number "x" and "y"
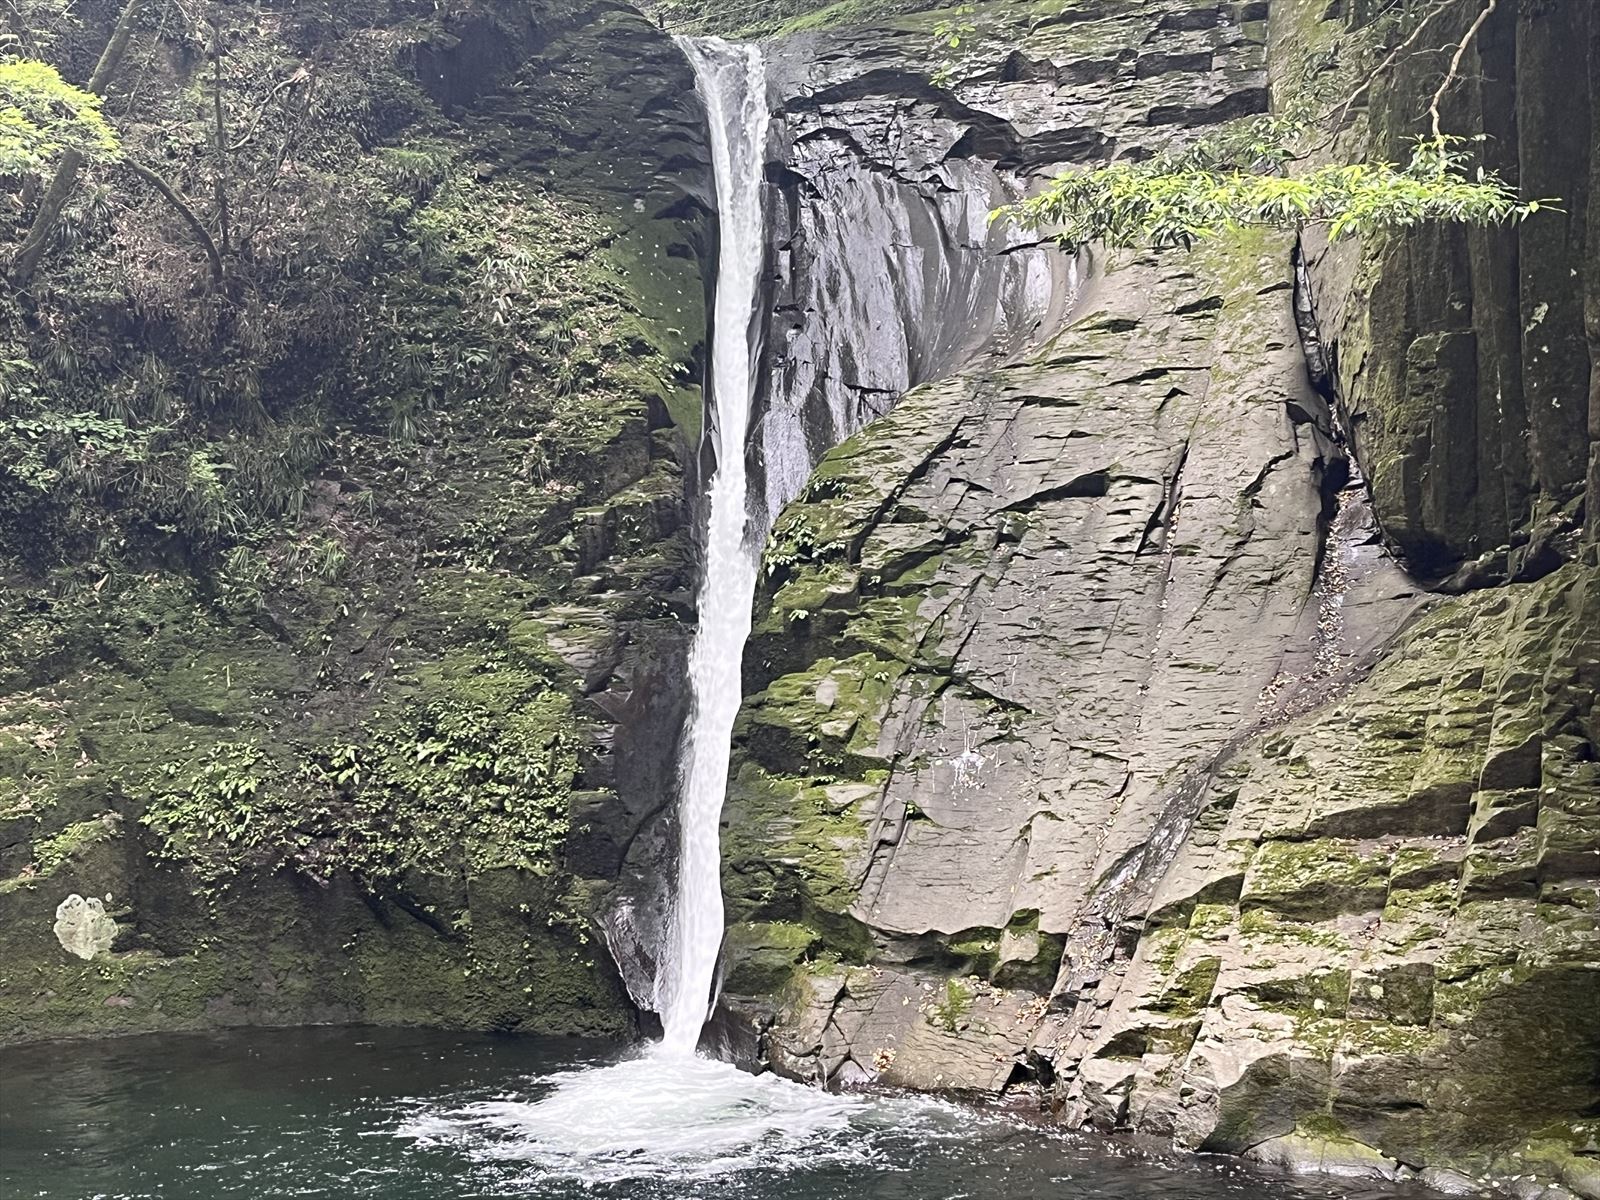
{"x": 182, "y": 208}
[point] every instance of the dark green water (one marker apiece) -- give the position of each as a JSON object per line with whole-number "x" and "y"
{"x": 412, "y": 1115}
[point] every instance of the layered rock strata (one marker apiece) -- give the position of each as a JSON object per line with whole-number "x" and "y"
{"x": 1095, "y": 743}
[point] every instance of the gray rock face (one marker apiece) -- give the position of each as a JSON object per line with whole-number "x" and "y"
{"x": 1094, "y": 742}
{"x": 1032, "y": 608}
{"x": 83, "y": 927}
{"x": 1471, "y": 387}
{"x": 1044, "y": 527}
{"x": 885, "y": 270}
{"x": 1389, "y": 946}
{"x": 883, "y": 282}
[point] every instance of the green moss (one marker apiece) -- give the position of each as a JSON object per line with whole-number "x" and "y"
{"x": 788, "y": 855}
{"x": 1319, "y": 993}
{"x": 340, "y": 641}
{"x": 825, "y": 718}
{"x": 1385, "y": 1039}
{"x": 1267, "y": 927}
{"x": 791, "y": 17}
{"x": 1209, "y": 921}
{"x": 1188, "y": 993}
{"x": 1314, "y": 879}
{"x": 478, "y": 772}
{"x": 52, "y": 853}
{"x": 1568, "y": 1152}
{"x": 842, "y": 12}
{"x": 1161, "y": 948}
{"x": 762, "y": 955}
{"x": 272, "y": 953}
{"x": 977, "y": 946}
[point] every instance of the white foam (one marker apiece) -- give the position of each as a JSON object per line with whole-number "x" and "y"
{"x": 665, "y": 1116}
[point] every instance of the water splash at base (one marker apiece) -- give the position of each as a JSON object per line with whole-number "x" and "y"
{"x": 666, "y": 1116}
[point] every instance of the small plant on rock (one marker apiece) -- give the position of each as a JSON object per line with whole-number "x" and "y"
{"x": 949, "y": 1007}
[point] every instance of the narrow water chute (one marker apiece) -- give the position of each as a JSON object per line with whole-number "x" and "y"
{"x": 732, "y": 83}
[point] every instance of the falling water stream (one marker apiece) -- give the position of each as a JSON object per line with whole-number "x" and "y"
{"x": 732, "y": 82}
{"x": 666, "y": 1108}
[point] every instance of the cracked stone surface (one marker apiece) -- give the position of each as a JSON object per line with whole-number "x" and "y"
{"x": 1094, "y": 742}
{"x": 1387, "y": 918}
{"x": 1012, "y": 623}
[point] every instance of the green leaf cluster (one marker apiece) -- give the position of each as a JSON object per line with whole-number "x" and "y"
{"x": 1204, "y": 193}
{"x": 948, "y": 35}
{"x": 474, "y": 779}
{"x": 42, "y": 114}
{"x": 797, "y": 540}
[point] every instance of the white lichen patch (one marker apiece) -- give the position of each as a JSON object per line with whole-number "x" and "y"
{"x": 83, "y": 927}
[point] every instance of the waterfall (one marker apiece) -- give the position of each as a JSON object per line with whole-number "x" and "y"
{"x": 732, "y": 83}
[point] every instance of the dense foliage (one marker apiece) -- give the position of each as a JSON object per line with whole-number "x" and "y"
{"x": 1176, "y": 200}
{"x": 41, "y": 115}
{"x": 480, "y": 773}
{"x": 306, "y": 372}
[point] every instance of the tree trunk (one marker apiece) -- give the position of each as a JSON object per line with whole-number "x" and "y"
{"x": 66, "y": 177}
{"x": 181, "y": 207}
{"x": 221, "y": 182}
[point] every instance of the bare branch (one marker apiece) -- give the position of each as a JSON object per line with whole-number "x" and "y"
{"x": 300, "y": 76}
{"x": 1455, "y": 67}
{"x": 220, "y": 183}
{"x": 182, "y": 208}
{"x": 1389, "y": 61}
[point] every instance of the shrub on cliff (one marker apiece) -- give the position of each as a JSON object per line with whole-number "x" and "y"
{"x": 1254, "y": 173}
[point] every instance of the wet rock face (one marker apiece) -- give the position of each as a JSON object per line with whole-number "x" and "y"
{"x": 1028, "y": 512}
{"x": 1051, "y": 770}
{"x": 885, "y": 269}
{"x": 1462, "y": 357}
{"x": 1013, "y": 625}
{"x": 1394, "y": 945}
{"x": 1047, "y": 521}
{"x": 880, "y": 283}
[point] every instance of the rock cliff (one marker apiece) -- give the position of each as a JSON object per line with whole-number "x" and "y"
{"x": 1096, "y": 743}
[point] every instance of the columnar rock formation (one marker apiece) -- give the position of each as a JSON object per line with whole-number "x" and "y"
{"x": 1471, "y": 388}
